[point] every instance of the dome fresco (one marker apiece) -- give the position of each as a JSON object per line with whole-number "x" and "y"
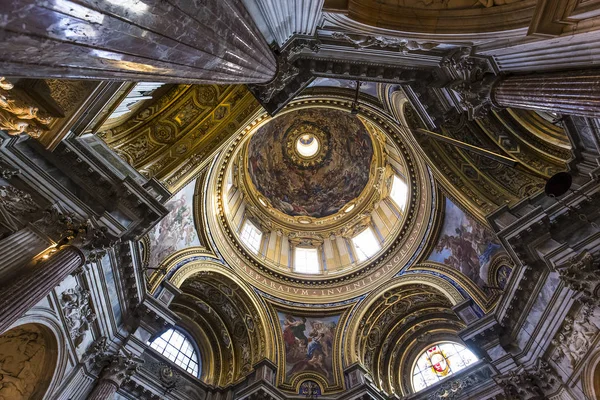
{"x": 315, "y": 184}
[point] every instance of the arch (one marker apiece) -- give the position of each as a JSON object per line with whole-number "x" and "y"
{"x": 590, "y": 376}
{"x": 414, "y": 301}
{"x": 206, "y": 345}
{"x": 486, "y": 302}
{"x": 47, "y": 318}
{"x": 205, "y": 266}
{"x": 30, "y": 353}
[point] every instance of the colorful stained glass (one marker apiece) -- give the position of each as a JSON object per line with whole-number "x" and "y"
{"x": 440, "y": 361}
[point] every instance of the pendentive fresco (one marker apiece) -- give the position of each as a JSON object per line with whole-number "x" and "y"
{"x": 466, "y": 245}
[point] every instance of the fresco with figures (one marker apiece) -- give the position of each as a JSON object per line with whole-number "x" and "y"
{"x": 309, "y": 344}
{"x": 176, "y": 230}
{"x": 466, "y": 245}
{"x": 319, "y": 188}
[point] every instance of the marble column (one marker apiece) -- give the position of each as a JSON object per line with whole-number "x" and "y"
{"x": 25, "y": 291}
{"x": 18, "y": 249}
{"x": 119, "y": 370}
{"x": 104, "y": 390}
{"x": 570, "y": 92}
{"x": 190, "y": 41}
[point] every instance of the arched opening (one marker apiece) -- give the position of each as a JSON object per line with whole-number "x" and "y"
{"x": 28, "y": 355}
{"x": 177, "y": 346}
{"x": 439, "y": 361}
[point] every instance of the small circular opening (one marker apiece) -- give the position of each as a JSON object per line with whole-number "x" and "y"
{"x": 307, "y": 145}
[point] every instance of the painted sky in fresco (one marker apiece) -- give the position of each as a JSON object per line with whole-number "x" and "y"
{"x": 318, "y": 190}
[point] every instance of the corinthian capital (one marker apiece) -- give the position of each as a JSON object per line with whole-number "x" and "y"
{"x": 120, "y": 367}
{"x": 581, "y": 274}
{"x": 474, "y": 81}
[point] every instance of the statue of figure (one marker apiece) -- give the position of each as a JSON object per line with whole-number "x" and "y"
{"x": 78, "y": 313}
{"x": 16, "y": 117}
{"x": 403, "y": 45}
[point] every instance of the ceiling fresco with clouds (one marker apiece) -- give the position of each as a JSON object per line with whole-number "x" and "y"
{"x": 322, "y": 185}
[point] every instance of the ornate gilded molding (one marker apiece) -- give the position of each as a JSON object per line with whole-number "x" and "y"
{"x": 17, "y": 116}
{"x": 436, "y": 284}
{"x": 354, "y": 282}
{"x": 433, "y": 18}
{"x": 177, "y": 136}
{"x": 212, "y": 268}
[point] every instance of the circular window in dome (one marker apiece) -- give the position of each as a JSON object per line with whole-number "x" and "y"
{"x": 307, "y": 145}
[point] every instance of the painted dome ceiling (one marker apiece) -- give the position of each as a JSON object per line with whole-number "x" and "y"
{"x": 311, "y": 162}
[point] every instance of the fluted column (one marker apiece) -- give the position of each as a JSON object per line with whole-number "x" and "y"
{"x": 20, "y": 294}
{"x": 188, "y": 41}
{"x": 570, "y": 92}
{"x": 104, "y": 390}
{"x": 19, "y": 248}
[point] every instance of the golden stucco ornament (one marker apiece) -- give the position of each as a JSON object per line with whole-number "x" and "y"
{"x": 17, "y": 117}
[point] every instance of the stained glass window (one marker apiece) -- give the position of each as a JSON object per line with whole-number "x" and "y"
{"x": 176, "y": 347}
{"x": 440, "y": 361}
{"x": 251, "y": 236}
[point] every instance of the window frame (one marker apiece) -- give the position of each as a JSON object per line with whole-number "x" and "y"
{"x": 248, "y": 222}
{"x": 356, "y": 248}
{"x": 451, "y": 372}
{"x": 187, "y": 338}
{"x": 306, "y": 248}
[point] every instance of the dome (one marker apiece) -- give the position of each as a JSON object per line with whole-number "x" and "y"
{"x": 321, "y": 197}
{"x": 310, "y": 162}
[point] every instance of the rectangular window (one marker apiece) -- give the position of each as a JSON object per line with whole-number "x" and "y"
{"x": 399, "y": 192}
{"x": 366, "y": 244}
{"x": 306, "y": 260}
{"x": 251, "y": 236}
